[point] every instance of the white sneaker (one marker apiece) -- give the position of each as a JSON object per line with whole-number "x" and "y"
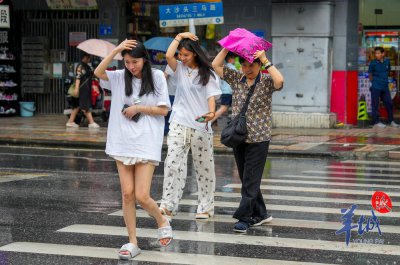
{"x": 72, "y": 124}
{"x": 394, "y": 125}
{"x": 94, "y": 125}
{"x": 380, "y": 125}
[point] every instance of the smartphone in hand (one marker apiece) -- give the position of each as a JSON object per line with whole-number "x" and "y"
{"x": 136, "y": 117}
{"x": 201, "y": 119}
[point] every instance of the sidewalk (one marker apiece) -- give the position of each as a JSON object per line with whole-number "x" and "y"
{"x": 368, "y": 143}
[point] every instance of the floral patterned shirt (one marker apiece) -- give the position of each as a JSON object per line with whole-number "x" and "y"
{"x": 259, "y": 112}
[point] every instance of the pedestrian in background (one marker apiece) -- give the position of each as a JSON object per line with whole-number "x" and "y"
{"x": 136, "y": 144}
{"x": 251, "y": 155}
{"x": 196, "y": 88}
{"x": 226, "y": 97}
{"x": 379, "y": 70}
{"x": 83, "y": 88}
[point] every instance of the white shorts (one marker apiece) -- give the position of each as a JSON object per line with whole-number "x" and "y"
{"x": 129, "y": 161}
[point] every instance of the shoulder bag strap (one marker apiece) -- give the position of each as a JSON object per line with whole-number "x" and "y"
{"x": 246, "y": 104}
{"x": 84, "y": 82}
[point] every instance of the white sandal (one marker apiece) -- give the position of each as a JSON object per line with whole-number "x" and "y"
{"x": 131, "y": 248}
{"x": 202, "y": 216}
{"x": 164, "y": 233}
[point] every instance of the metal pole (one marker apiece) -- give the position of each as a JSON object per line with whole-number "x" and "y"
{"x": 192, "y": 28}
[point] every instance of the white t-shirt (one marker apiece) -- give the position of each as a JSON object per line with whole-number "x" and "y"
{"x": 171, "y": 81}
{"x": 104, "y": 84}
{"x": 142, "y": 139}
{"x": 191, "y": 97}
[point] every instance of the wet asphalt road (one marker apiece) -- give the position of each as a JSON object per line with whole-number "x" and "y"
{"x": 62, "y": 206}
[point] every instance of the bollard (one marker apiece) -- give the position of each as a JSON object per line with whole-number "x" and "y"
{"x": 362, "y": 115}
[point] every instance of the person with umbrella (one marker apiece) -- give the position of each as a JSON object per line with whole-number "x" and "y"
{"x": 135, "y": 134}
{"x": 83, "y": 89}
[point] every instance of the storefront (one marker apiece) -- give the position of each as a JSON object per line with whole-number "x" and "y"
{"x": 143, "y": 22}
{"x": 49, "y": 31}
{"x": 9, "y": 76}
{"x": 46, "y": 38}
{"x": 329, "y": 48}
{"x": 379, "y": 26}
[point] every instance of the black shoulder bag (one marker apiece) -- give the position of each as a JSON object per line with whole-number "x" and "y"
{"x": 235, "y": 132}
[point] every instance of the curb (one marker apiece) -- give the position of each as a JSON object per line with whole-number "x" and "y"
{"x": 50, "y": 143}
{"x": 102, "y": 145}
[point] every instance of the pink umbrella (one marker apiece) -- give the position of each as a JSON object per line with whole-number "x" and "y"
{"x": 244, "y": 43}
{"x": 98, "y": 47}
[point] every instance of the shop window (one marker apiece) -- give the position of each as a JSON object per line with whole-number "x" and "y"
{"x": 143, "y": 24}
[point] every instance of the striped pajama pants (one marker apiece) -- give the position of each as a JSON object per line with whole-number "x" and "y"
{"x": 180, "y": 140}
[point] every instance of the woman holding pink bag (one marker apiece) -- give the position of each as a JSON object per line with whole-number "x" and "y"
{"x": 256, "y": 88}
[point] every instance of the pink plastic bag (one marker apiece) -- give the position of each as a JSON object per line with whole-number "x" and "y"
{"x": 244, "y": 43}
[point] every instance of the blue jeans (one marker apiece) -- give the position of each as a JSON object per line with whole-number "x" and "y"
{"x": 376, "y": 95}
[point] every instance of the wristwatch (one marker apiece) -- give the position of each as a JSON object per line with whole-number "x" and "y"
{"x": 268, "y": 65}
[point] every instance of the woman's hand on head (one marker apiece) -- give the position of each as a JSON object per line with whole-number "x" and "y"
{"x": 188, "y": 35}
{"x": 260, "y": 55}
{"x": 126, "y": 45}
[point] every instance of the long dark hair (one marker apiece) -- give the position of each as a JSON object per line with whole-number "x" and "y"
{"x": 147, "y": 77}
{"x": 205, "y": 69}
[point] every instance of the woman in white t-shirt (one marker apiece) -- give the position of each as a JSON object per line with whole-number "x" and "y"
{"x": 196, "y": 88}
{"x": 135, "y": 134}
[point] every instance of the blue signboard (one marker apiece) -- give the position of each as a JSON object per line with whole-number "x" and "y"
{"x": 201, "y": 13}
{"x": 105, "y": 30}
{"x": 258, "y": 32}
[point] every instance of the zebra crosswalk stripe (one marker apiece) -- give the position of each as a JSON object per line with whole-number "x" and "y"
{"x": 318, "y": 190}
{"x": 145, "y": 256}
{"x": 239, "y": 239}
{"x": 295, "y": 208}
{"x": 333, "y": 178}
{"x": 332, "y": 183}
{"x": 380, "y": 163}
{"x": 297, "y": 198}
{"x": 365, "y": 168}
{"x": 20, "y": 176}
{"x": 361, "y": 174}
{"x": 300, "y": 223}
{"x": 294, "y": 198}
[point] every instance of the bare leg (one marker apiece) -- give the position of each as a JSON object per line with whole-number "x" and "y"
{"x": 73, "y": 115}
{"x": 127, "y": 180}
{"x": 143, "y": 177}
{"x": 89, "y": 116}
